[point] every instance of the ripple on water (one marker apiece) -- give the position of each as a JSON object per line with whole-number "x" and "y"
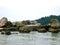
{"x": 33, "y": 38}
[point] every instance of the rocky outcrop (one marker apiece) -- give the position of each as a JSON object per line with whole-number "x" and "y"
{"x": 24, "y": 29}
{"x": 42, "y": 30}
{"x": 55, "y": 24}
{"x": 3, "y": 21}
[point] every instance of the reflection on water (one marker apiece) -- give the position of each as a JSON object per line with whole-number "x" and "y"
{"x": 54, "y": 40}
{"x": 33, "y": 38}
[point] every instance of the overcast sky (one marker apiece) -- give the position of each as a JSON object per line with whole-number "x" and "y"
{"x": 16, "y": 10}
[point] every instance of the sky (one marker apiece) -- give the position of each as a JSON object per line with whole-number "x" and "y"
{"x": 18, "y": 10}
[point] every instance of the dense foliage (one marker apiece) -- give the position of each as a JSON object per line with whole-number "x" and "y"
{"x": 46, "y": 20}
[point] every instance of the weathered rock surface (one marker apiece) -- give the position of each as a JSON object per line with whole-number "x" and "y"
{"x": 3, "y": 21}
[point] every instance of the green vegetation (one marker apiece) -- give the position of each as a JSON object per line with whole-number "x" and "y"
{"x": 47, "y": 20}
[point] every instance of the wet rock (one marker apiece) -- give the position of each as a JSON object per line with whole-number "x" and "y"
{"x": 42, "y": 30}
{"x": 7, "y": 32}
{"x": 53, "y": 30}
{"x": 2, "y": 32}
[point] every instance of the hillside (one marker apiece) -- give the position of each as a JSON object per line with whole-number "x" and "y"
{"x": 46, "y": 20}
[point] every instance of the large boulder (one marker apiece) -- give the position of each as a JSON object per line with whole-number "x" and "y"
{"x": 55, "y": 23}
{"x": 3, "y": 21}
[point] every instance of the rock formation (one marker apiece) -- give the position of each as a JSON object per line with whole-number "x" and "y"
{"x": 3, "y": 21}
{"x": 55, "y": 24}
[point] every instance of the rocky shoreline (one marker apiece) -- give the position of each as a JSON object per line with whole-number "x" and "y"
{"x": 28, "y": 26}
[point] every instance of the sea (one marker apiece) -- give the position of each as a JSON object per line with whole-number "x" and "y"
{"x": 32, "y": 38}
